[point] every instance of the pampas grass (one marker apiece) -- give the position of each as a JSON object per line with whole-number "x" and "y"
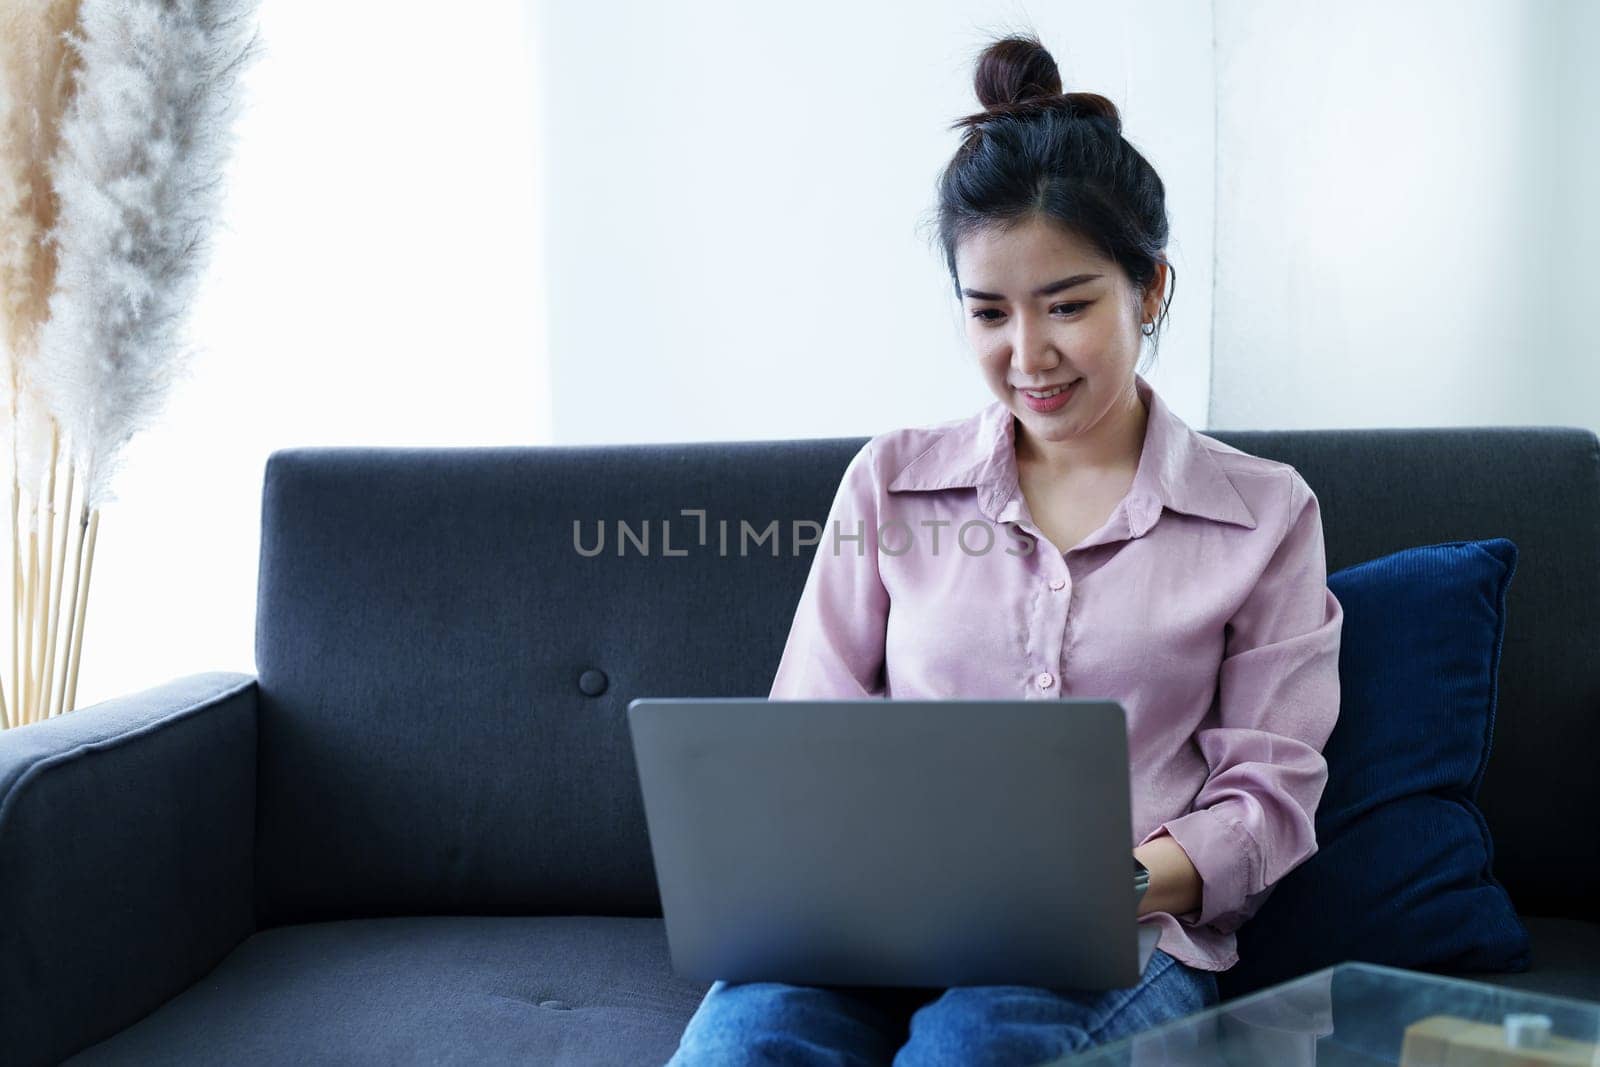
{"x": 37, "y": 73}
{"x": 116, "y": 117}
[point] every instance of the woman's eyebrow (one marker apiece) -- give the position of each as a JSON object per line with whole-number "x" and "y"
{"x": 1043, "y": 290}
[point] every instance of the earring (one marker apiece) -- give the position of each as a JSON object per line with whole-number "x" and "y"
{"x": 1148, "y": 332}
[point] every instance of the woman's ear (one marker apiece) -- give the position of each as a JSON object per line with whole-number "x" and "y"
{"x": 1150, "y": 306}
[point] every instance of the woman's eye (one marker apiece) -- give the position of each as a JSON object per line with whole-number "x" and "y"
{"x": 983, "y": 314}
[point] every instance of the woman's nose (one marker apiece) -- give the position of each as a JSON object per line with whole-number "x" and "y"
{"x": 1031, "y": 352}
{"x": 1031, "y": 357}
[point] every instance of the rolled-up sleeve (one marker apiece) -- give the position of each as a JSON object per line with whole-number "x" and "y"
{"x": 1277, "y": 701}
{"x": 835, "y": 648}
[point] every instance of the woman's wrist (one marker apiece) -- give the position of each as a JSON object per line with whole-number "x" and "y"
{"x": 1175, "y": 885}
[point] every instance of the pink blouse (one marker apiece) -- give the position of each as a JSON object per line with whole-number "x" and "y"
{"x": 1201, "y": 605}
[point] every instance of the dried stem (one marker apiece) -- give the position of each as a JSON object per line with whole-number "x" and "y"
{"x": 83, "y": 607}
{"x": 29, "y": 594}
{"x": 41, "y": 602}
{"x": 16, "y": 571}
{"x": 72, "y": 613}
{"x": 54, "y": 707}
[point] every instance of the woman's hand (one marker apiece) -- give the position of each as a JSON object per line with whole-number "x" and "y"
{"x": 1174, "y": 883}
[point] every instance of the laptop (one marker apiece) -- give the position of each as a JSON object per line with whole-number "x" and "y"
{"x": 886, "y": 842}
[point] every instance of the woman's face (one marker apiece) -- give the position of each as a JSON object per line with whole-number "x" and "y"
{"x": 1044, "y": 309}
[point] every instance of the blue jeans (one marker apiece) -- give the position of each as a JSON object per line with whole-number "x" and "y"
{"x": 780, "y": 1025}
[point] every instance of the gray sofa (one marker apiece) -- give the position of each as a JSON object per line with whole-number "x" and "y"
{"x": 414, "y": 835}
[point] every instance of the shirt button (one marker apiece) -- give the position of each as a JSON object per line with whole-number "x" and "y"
{"x": 1046, "y": 680}
{"x": 1058, "y": 583}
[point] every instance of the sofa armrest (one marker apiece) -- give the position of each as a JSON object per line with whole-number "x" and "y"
{"x": 127, "y": 840}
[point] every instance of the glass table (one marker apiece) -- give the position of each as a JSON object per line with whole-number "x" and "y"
{"x": 1362, "y": 1013}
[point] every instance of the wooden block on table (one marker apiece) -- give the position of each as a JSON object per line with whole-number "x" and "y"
{"x": 1450, "y": 1041}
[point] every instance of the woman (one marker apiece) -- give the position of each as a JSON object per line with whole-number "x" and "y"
{"x": 1072, "y": 539}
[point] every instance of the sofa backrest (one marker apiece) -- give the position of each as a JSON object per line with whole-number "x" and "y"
{"x": 445, "y": 669}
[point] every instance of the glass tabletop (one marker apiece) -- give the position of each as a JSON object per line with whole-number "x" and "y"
{"x": 1363, "y": 1013}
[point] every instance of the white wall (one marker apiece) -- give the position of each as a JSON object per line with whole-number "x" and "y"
{"x": 1406, "y": 214}
{"x": 373, "y": 284}
{"x": 732, "y": 195}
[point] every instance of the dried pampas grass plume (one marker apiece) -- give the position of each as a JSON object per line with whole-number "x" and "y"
{"x": 36, "y": 70}
{"x": 139, "y": 172}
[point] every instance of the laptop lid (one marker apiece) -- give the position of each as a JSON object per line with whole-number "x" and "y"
{"x": 893, "y": 842}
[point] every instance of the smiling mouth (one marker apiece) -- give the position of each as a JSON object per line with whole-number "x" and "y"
{"x": 1046, "y": 394}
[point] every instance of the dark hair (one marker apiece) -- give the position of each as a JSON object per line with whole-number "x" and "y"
{"x": 1035, "y": 151}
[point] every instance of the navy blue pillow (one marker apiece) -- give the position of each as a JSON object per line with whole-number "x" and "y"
{"x": 1402, "y": 872}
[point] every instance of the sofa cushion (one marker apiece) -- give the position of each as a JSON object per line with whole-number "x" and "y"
{"x": 437, "y": 990}
{"x": 1402, "y": 873}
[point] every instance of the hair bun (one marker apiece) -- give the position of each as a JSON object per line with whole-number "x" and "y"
{"x": 1016, "y": 70}
{"x": 1017, "y": 75}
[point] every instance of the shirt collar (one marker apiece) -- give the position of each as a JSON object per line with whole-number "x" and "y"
{"x": 1176, "y": 468}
